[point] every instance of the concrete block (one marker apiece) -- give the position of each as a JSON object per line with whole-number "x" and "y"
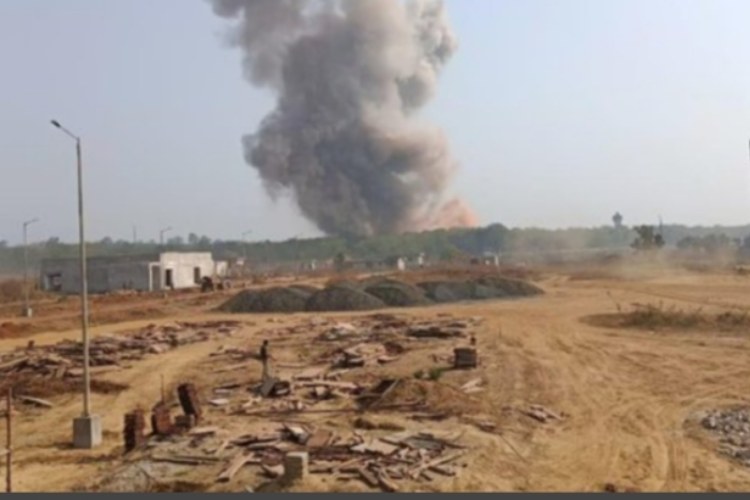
{"x": 295, "y": 466}
{"x": 87, "y": 432}
{"x": 188, "y": 396}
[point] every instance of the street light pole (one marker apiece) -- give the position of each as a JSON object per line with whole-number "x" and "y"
{"x": 87, "y": 431}
{"x": 27, "y": 312}
{"x": 162, "y": 233}
{"x": 244, "y": 239}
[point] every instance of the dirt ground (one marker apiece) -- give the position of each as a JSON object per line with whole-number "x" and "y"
{"x": 627, "y": 395}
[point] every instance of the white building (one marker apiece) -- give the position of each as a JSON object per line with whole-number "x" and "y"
{"x": 147, "y": 273}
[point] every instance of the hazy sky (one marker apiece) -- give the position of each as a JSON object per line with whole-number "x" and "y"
{"x": 560, "y": 112}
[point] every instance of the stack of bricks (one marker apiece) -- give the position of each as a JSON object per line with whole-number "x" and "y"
{"x": 189, "y": 401}
{"x": 465, "y": 358}
{"x": 184, "y": 423}
{"x": 161, "y": 420}
{"x": 135, "y": 425}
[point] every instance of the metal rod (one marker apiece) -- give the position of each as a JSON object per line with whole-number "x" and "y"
{"x": 84, "y": 289}
{"x": 25, "y": 269}
{"x": 26, "y": 288}
{"x": 9, "y": 442}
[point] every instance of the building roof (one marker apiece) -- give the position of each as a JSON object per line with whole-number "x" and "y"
{"x": 121, "y": 259}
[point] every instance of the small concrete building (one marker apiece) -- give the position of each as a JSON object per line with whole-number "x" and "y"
{"x": 146, "y": 273}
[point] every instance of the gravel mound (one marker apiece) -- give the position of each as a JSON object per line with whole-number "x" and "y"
{"x": 445, "y": 292}
{"x": 398, "y": 294}
{"x": 274, "y": 300}
{"x": 343, "y": 298}
{"x": 732, "y": 429}
{"x": 375, "y": 293}
{"x": 486, "y": 288}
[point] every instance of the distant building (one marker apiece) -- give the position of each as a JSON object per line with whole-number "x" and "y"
{"x": 146, "y": 273}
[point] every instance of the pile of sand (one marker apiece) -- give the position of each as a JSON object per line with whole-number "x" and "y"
{"x": 438, "y": 397}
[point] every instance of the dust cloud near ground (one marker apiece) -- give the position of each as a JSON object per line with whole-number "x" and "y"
{"x": 558, "y": 402}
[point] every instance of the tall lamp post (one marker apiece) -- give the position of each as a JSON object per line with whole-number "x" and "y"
{"x": 27, "y": 311}
{"x": 244, "y": 246}
{"x": 87, "y": 429}
{"x": 162, "y": 233}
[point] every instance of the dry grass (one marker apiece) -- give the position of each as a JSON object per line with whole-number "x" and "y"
{"x": 41, "y": 387}
{"x": 661, "y": 317}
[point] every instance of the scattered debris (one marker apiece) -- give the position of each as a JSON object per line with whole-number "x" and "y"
{"x": 204, "y": 431}
{"x": 188, "y": 397}
{"x": 732, "y": 428}
{"x": 108, "y": 352}
{"x": 41, "y": 403}
{"x": 134, "y": 432}
{"x": 465, "y": 358}
{"x": 296, "y": 467}
{"x": 161, "y": 420}
{"x": 237, "y": 463}
{"x": 541, "y": 414}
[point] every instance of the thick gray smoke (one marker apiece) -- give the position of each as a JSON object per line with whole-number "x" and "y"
{"x": 344, "y": 138}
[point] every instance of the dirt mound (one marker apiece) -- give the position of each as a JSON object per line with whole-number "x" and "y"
{"x": 447, "y": 291}
{"x": 309, "y": 289}
{"x": 10, "y": 330}
{"x": 274, "y": 300}
{"x": 506, "y": 287}
{"x": 485, "y": 288}
{"x": 343, "y": 298}
{"x": 398, "y": 294}
{"x": 436, "y": 396}
{"x": 375, "y": 293}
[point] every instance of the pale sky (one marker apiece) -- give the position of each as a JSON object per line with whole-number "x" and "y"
{"x": 560, "y": 112}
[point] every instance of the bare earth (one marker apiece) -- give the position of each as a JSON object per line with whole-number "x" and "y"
{"x": 627, "y": 395}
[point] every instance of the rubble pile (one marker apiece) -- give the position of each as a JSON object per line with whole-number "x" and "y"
{"x": 65, "y": 359}
{"x": 380, "y": 460}
{"x": 732, "y": 428}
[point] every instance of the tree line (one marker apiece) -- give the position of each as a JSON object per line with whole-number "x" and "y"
{"x": 437, "y": 245}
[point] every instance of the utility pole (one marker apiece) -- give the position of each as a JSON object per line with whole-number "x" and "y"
{"x": 87, "y": 429}
{"x": 27, "y": 311}
{"x": 244, "y": 245}
{"x": 135, "y": 234}
{"x": 162, "y": 233}
{"x": 9, "y": 444}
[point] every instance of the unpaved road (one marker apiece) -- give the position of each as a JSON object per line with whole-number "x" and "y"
{"x": 627, "y": 394}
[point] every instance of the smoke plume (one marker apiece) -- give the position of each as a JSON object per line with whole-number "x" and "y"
{"x": 345, "y": 139}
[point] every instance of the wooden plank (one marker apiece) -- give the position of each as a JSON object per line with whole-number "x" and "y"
{"x": 13, "y": 364}
{"x": 386, "y": 483}
{"x": 334, "y": 385}
{"x": 204, "y": 431}
{"x": 36, "y": 401}
{"x": 368, "y": 477}
{"x": 438, "y": 461}
{"x": 443, "y": 470}
{"x": 470, "y": 385}
{"x": 273, "y": 471}
{"x": 237, "y": 463}
{"x": 319, "y": 439}
{"x": 181, "y": 460}
{"x": 222, "y": 447}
